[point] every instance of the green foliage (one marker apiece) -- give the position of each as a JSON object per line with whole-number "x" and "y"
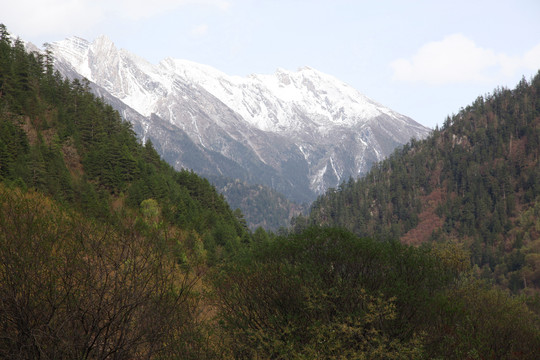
{"x": 327, "y": 292}
{"x": 482, "y": 322}
{"x": 56, "y": 137}
{"x": 262, "y": 206}
{"x": 467, "y": 181}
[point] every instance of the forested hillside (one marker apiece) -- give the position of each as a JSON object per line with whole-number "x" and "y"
{"x": 261, "y": 206}
{"x": 102, "y": 244}
{"x": 106, "y": 252}
{"x": 475, "y": 181}
{"x": 57, "y": 138}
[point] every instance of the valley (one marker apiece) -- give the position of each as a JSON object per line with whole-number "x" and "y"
{"x": 298, "y": 133}
{"x": 112, "y": 247}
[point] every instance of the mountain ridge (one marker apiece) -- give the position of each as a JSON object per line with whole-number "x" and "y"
{"x": 286, "y": 130}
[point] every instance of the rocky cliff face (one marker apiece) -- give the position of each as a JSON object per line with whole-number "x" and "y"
{"x": 298, "y": 132}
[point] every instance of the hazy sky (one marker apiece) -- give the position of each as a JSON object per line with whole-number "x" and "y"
{"x": 424, "y": 59}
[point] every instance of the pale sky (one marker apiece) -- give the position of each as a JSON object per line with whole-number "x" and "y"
{"x": 425, "y": 59}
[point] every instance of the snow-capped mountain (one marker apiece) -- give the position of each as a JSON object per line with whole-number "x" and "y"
{"x": 298, "y": 132}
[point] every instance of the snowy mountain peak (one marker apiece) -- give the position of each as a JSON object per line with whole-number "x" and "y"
{"x": 298, "y": 131}
{"x": 287, "y": 96}
{"x": 103, "y": 46}
{"x": 104, "y": 40}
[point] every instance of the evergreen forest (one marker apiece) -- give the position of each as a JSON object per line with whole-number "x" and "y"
{"x": 107, "y": 252}
{"x": 474, "y": 182}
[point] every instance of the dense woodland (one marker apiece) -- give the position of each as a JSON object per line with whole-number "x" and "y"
{"x": 475, "y": 181}
{"x": 59, "y": 139}
{"x": 106, "y": 252}
{"x": 261, "y": 206}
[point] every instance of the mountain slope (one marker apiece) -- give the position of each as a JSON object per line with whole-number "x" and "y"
{"x": 261, "y": 206}
{"x": 59, "y": 139}
{"x": 102, "y": 244}
{"x": 298, "y": 133}
{"x": 475, "y": 181}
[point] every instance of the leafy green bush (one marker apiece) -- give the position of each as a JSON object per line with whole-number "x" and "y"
{"x": 330, "y": 294}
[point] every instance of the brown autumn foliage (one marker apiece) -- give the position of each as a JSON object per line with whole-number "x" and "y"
{"x": 73, "y": 288}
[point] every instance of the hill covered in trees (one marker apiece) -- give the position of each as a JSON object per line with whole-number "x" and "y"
{"x": 261, "y": 206}
{"x": 59, "y": 139}
{"x": 475, "y": 181}
{"x": 102, "y": 243}
{"x": 106, "y": 252}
